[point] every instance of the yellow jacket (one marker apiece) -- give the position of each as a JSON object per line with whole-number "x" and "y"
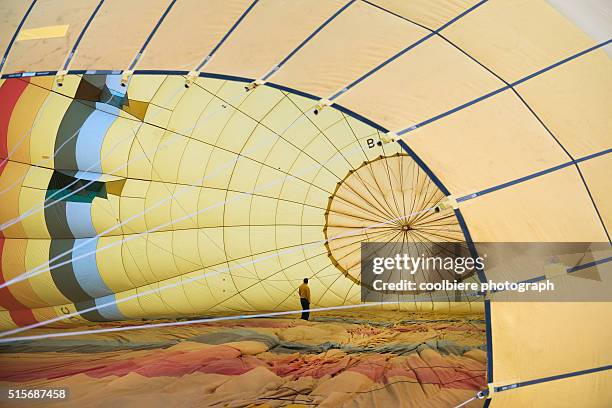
{"x": 304, "y": 291}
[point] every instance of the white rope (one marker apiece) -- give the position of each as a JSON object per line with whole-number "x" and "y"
{"x": 479, "y": 395}
{"x": 200, "y": 277}
{"x": 43, "y": 267}
{"x": 207, "y": 320}
{"x": 40, "y": 163}
{"x": 466, "y": 402}
{"x": 187, "y": 322}
{"x": 46, "y": 203}
{"x": 145, "y": 155}
{"x": 137, "y": 215}
{"x": 126, "y": 239}
{"x": 30, "y": 274}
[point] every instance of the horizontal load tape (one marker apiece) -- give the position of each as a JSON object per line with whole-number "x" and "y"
{"x": 512, "y": 386}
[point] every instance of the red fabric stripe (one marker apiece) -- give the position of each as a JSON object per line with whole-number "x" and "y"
{"x": 10, "y": 92}
{"x": 21, "y": 315}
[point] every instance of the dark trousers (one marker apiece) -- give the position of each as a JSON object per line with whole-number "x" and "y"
{"x": 305, "y": 306}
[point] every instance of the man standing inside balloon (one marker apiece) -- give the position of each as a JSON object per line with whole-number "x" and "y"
{"x": 304, "y": 292}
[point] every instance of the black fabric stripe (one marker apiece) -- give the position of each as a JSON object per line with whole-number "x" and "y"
{"x": 63, "y": 186}
{"x": 99, "y": 81}
{"x": 63, "y": 276}
{"x": 88, "y": 88}
{"x": 92, "y": 315}
{"x": 55, "y": 218}
{"x": 66, "y": 139}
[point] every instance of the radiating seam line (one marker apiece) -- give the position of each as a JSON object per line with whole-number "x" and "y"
{"x": 151, "y": 34}
{"x": 502, "y": 89}
{"x": 38, "y": 269}
{"x": 47, "y": 202}
{"x": 14, "y": 37}
{"x": 572, "y": 269}
{"x": 188, "y": 322}
{"x": 226, "y": 36}
{"x": 303, "y": 43}
{"x": 192, "y": 279}
{"x": 80, "y": 37}
{"x": 532, "y": 176}
{"x": 41, "y": 268}
{"x": 405, "y": 50}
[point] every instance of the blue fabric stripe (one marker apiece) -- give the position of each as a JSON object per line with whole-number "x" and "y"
{"x": 86, "y": 268}
{"x": 96, "y": 71}
{"x": 108, "y": 108}
{"x": 532, "y": 280}
{"x": 450, "y": 112}
{"x": 552, "y": 378}
{"x": 303, "y": 43}
{"x": 563, "y": 61}
{"x": 361, "y": 118}
{"x": 531, "y": 176}
{"x": 426, "y": 169}
{"x": 80, "y": 37}
{"x": 489, "y": 336}
{"x": 226, "y": 36}
{"x": 594, "y": 155}
{"x": 12, "y": 41}
{"x": 146, "y": 43}
{"x": 78, "y": 215}
{"x": 111, "y": 310}
{"x": 377, "y": 68}
{"x": 90, "y": 139}
{"x": 470, "y": 243}
{"x": 29, "y": 74}
{"x": 444, "y": 190}
{"x": 405, "y": 50}
{"x": 504, "y": 88}
{"x": 475, "y": 6}
{"x": 588, "y": 190}
{"x": 288, "y": 89}
{"x": 215, "y": 76}
{"x": 569, "y": 270}
{"x": 160, "y": 72}
{"x": 513, "y": 182}
{"x": 87, "y": 175}
{"x": 113, "y": 83}
{"x": 589, "y": 265}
